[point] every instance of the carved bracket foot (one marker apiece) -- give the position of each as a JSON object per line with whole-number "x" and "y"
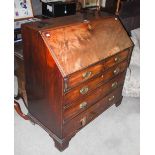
{"x": 63, "y": 144}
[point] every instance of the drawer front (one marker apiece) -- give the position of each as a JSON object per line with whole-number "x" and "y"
{"x": 71, "y": 110}
{"x": 81, "y": 76}
{"x": 87, "y": 116}
{"x": 90, "y": 85}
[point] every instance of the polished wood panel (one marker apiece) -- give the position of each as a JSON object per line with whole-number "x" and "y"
{"x": 88, "y": 115}
{"x": 81, "y": 76}
{"x": 43, "y": 80}
{"x": 88, "y": 39}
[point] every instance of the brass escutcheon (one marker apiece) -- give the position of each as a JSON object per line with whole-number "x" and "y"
{"x": 89, "y": 27}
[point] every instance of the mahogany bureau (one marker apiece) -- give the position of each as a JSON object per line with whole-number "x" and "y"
{"x": 73, "y": 73}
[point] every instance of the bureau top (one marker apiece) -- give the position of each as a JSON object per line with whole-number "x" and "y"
{"x": 79, "y": 45}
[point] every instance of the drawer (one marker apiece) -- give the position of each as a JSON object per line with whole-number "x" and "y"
{"x": 92, "y": 84}
{"x": 71, "y": 110}
{"x": 87, "y": 116}
{"x": 81, "y": 76}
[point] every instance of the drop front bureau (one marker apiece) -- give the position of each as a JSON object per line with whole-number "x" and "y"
{"x": 73, "y": 72}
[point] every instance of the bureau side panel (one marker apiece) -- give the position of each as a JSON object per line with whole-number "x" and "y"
{"x": 43, "y": 82}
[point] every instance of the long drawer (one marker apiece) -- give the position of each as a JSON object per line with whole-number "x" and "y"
{"x": 81, "y": 76}
{"x": 88, "y": 115}
{"x": 71, "y": 110}
{"x": 90, "y": 85}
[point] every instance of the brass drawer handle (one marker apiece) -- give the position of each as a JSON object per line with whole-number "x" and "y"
{"x": 116, "y": 71}
{"x": 111, "y": 98}
{"x": 84, "y": 90}
{"x": 83, "y": 121}
{"x": 117, "y": 58}
{"x": 114, "y": 85}
{"x": 83, "y": 105}
{"x": 86, "y": 75}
